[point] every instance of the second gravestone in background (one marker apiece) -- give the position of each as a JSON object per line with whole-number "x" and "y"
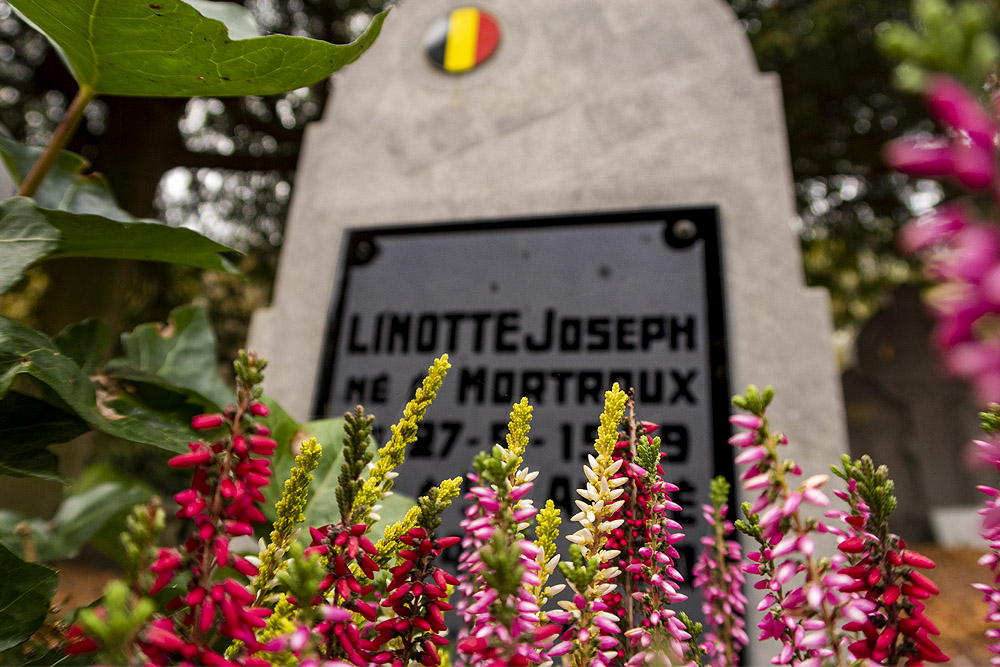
{"x": 648, "y": 114}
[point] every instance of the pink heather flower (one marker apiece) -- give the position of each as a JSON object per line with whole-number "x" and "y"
{"x": 931, "y": 229}
{"x": 206, "y": 422}
{"x": 198, "y": 456}
{"x": 968, "y": 155}
{"x": 990, "y": 531}
{"x": 962, "y": 256}
{"x": 800, "y": 604}
{"x": 718, "y": 576}
{"x": 645, "y": 543}
{"x": 499, "y": 629}
{"x": 749, "y": 422}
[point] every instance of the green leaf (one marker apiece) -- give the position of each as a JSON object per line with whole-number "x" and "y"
{"x": 26, "y": 590}
{"x": 107, "y": 537}
{"x": 167, "y": 49}
{"x": 29, "y": 234}
{"x": 19, "y": 158}
{"x": 25, "y": 238}
{"x": 97, "y": 236}
{"x": 78, "y": 519}
{"x": 80, "y": 516}
{"x": 85, "y": 343}
{"x": 66, "y": 187}
{"x": 27, "y": 427}
{"x": 283, "y": 428}
{"x": 26, "y": 351}
{"x": 91, "y": 194}
{"x": 183, "y": 352}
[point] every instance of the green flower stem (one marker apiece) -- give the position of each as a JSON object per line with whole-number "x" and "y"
{"x": 66, "y": 129}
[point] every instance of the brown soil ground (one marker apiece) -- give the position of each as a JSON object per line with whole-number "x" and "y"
{"x": 958, "y": 611}
{"x": 81, "y": 583}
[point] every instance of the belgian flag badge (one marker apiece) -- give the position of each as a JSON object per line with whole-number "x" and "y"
{"x": 462, "y": 40}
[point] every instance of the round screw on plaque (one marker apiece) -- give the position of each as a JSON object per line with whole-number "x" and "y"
{"x": 684, "y": 229}
{"x": 680, "y": 234}
{"x": 363, "y": 251}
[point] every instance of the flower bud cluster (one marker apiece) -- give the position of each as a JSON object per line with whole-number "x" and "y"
{"x": 655, "y": 562}
{"x": 896, "y": 629}
{"x": 717, "y": 575}
{"x": 881, "y": 572}
{"x": 417, "y": 595}
{"x": 222, "y": 502}
{"x": 502, "y": 615}
{"x": 989, "y": 451}
{"x": 801, "y": 599}
{"x": 594, "y": 630}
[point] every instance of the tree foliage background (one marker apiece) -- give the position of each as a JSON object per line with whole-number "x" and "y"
{"x": 226, "y": 166}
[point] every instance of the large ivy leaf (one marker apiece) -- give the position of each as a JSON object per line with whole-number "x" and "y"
{"x": 27, "y": 427}
{"x": 167, "y": 49}
{"x": 183, "y": 353}
{"x": 26, "y": 351}
{"x": 26, "y": 590}
{"x": 79, "y": 517}
{"x": 30, "y": 233}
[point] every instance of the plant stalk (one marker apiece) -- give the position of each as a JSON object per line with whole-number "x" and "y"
{"x": 66, "y": 129}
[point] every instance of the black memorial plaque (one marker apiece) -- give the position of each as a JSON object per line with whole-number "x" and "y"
{"x": 555, "y": 309}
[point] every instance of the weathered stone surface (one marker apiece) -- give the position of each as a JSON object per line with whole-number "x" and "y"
{"x": 904, "y": 413}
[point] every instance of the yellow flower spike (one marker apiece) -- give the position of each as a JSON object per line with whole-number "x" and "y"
{"x": 546, "y": 533}
{"x": 517, "y": 430}
{"x": 607, "y": 432}
{"x": 390, "y": 545}
{"x": 449, "y": 489}
{"x": 290, "y": 510}
{"x": 281, "y": 622}
{"x": 595, "y": 508}
{"x": 403, "y": 433}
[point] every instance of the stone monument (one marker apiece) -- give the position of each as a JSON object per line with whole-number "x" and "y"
{"x": 546, "y": 111}
{"x": 904, "y": 412}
